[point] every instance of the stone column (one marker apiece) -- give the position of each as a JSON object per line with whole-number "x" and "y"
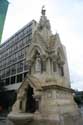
{"x": 49, "y": 66}
{"x": 37, "y": 96}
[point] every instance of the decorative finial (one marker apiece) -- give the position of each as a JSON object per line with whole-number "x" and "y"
{"x": 43, "y": 10}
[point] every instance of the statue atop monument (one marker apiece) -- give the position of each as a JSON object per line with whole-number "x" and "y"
{"x": 43, "y": 10}
{"x": 44, "y": 25}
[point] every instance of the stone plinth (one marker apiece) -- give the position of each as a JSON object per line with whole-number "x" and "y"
{"x": 20, "y": 118}
{"x": 34, "y": 119}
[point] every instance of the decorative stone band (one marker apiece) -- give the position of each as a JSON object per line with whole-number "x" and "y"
{"x": 45, "y": 87}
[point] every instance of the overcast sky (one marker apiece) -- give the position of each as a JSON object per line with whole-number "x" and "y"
{"x": 66, "y": 18}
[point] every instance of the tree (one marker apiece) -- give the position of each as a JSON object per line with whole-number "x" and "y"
{"x": 78, "y": 97}
{"x": 77, "y": 100}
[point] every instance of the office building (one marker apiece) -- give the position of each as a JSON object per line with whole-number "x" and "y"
{"x": 13, "y": 65}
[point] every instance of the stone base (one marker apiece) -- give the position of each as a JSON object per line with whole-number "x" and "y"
{"x": 35, "y": 119}
{"x": 20, "y": 118}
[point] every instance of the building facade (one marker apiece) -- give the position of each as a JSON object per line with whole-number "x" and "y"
{"x": 13, "y": 66}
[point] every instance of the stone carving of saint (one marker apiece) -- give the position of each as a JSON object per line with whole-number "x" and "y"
{"x": 38, "y": 64}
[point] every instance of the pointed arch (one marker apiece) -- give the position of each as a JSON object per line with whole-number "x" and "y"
{"x": 32, "y": 50}
{"x": 32, "y": 81}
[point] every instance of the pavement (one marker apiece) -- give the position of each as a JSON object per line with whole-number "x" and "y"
{"x": 3, "y": 117}
{"x": 3, "y": 121}
{"x": 81, "y": 109}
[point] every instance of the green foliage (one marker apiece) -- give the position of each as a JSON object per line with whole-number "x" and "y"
{"x": 79, "y": 98}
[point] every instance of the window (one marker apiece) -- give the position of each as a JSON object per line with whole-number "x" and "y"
{"x": 43, "y": 66}
{"x": 4, "y": 81}
{"x": 15, "y": 38}
{"x": 13, "y": 69}
{"x": 25, "y": 74}
{"x": 27, "y": 39}
{"x": 25, "y": 65}
{"x": 0, "y": 65}
{"x": 54, "y": 66}
{"x": 10, "y": 59}
{"x": 13, "y": 58}
{"x": 21, "y": 54}
{"x": 20, "y": 44}
{"x": 16, "y": 56}
{"x": 25, "y": 31}
{"x": 20, "y": 35}
{"x": 30, "y": 27}
{"x": 7, "y": 72}
{"x": 6, "y": 53}
{"x": 3, "y": 73}
{"x": 15, "y": 47}
{"x": 13, "y": 80}
{"x": 24, "y": 41}
{"x": 19, "y": 78}
{"x": 30, "y": 37}
{"x": 62, "y": 71}
{"x": 12, "y": 49}
{"x": 20, "y": 67}
{"x": 7, "y": 81}
{"x": 25, "y": 51}
{"x": 4, "y": 63}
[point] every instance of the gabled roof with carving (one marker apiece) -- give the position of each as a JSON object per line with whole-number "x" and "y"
{"x": 32, "y": 81}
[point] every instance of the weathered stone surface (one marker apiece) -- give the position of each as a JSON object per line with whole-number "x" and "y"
{"x": 20, "y": 118}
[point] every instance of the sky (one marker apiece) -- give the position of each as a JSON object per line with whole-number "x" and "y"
{"x": 65, "y": 17}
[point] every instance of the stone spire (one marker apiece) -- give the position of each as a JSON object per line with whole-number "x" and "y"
{"x": 44, "y": 25}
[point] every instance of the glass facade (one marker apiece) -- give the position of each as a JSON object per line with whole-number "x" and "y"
{"x": 13, "y": 66}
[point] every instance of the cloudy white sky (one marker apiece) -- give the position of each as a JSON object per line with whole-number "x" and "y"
{"x": 66, "y": 18}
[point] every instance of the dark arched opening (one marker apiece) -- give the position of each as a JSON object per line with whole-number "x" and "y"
{"x": 31, "y": 102}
